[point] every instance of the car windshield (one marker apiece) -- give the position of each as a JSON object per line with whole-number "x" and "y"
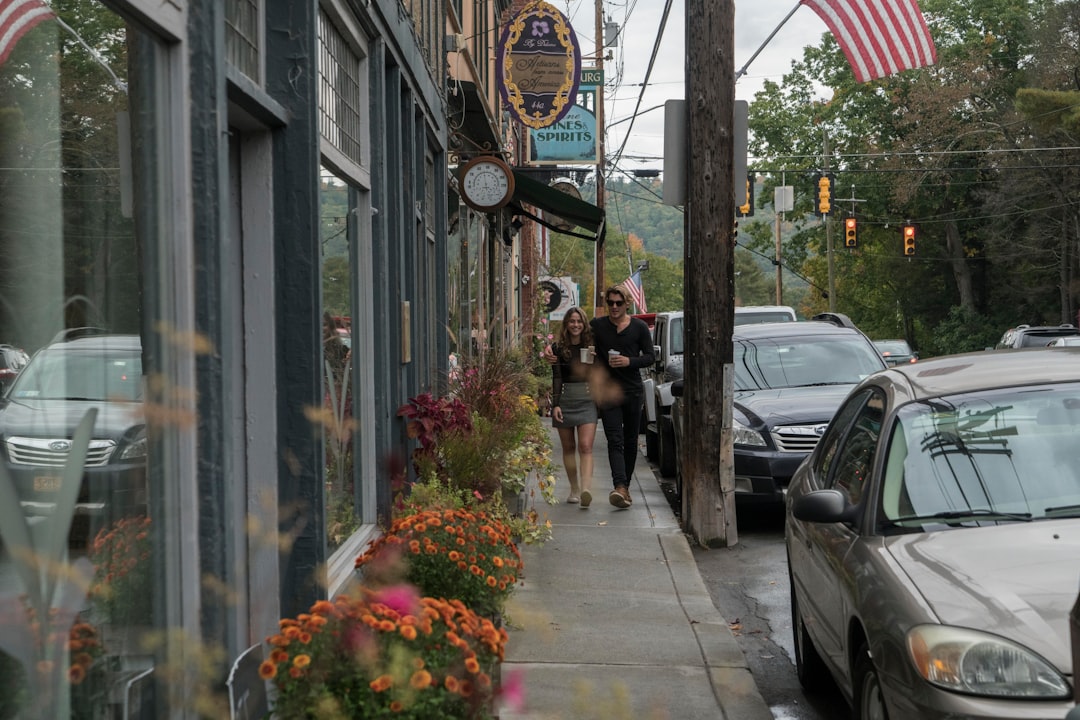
{"x": 991, "y": 456}
{"x": 95, "y": 374}
{"x": 769, "y": 316}
{"x": 893, "y": 347}
{"x": 1040, "y": 339}
{"x": 784, "y": 362}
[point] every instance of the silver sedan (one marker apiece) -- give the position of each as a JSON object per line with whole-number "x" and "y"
{"x": 933, "y": 540}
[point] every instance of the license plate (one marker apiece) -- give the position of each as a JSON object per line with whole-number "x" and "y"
{"x": 46, "y": 483}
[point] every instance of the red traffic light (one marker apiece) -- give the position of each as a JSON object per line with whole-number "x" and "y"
{"x": 851, "y": 232}
{"x": 909, "y": 239}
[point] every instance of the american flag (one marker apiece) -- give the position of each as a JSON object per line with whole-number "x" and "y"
{"x": 637, "y": 293}
{"x": 18, "y": 17}
{"x": 879, "y": 37}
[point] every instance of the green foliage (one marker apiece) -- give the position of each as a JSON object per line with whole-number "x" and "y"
{"x": 962, "y": 331}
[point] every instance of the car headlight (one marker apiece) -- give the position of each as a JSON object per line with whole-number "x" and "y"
{"x": 743, "y": 435}
{"x": 135, "y": 447}
{"x": 979, "y": 663}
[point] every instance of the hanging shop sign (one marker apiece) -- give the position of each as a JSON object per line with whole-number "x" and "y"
{"x": 557, "y": 295}
{"x": 538, "y": 65}
{"x": 573, "y": 140}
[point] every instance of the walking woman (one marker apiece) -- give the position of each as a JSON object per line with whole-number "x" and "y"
{"x": 573, "y": 410}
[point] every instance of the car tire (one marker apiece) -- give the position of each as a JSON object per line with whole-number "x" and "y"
{"x": 809, "y": 667}
{"x": 869, "y": 704}
{"x": 667, "y": 447}
{"x": 652, "y": 443}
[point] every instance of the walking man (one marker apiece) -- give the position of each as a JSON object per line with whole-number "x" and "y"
{"x": 623, "y": 346}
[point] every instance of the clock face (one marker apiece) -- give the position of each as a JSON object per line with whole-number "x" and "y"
{"x": 486, "y": 183}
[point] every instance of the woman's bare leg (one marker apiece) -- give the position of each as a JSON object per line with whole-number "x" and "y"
{"x": 569, "y": 459}
{"x": 585, "y": 436}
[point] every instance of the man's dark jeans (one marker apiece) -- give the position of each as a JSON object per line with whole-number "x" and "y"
{"x": 621, "y": 426}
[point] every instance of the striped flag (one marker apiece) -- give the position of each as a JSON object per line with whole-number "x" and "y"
{"x": 879, "y": 37}
{"x": 637, "y": 293}
{"x": 18, "y": 17}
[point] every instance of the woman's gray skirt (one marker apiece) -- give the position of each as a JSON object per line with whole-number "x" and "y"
{"x": 578, "y": 407}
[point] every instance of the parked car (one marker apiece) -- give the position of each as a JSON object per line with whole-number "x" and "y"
{"x": 80, "y": 371}
{"x": 746, "y": 314}
{"x": 1023, "y": 336}
{"x": 657, "y": 380}
{"x": 12, "y": 361}
{"x": 896, "y": 352}
{"x": 933, "y": 540}
{"x": 789, "y": 379}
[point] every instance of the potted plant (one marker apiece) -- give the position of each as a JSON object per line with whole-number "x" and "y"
{"x": 455, "y": 553}
{"x": 385, "y": 654}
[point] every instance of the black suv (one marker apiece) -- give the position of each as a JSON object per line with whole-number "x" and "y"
{"x": 79, "y": 371}
{"x": 790, "y": 377}
{"x": 1023, "y": 336}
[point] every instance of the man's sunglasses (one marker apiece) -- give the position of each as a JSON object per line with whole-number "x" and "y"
{"x": 616, "y": 303}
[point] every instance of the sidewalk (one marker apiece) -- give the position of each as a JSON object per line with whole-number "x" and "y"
{"x": 612, "y": 619}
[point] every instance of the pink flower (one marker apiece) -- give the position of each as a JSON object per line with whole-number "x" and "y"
{"x": 512, "y": 691}
{"x": 550, "y": 336}
{"x": 477, "y": 494}
{"x": 403, "y": 599}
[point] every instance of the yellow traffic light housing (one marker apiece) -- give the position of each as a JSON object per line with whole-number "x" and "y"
{"x": 851, "y": 233}
{"x": 747, "y": 208}
{"x": 909, "y": 240}
{"x": 824, "y": 194}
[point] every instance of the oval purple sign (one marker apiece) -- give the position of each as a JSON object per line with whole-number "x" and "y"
{"x": 538, "y": 65}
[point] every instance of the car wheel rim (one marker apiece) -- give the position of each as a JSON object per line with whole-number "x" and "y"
{"x": 873, "y": 707}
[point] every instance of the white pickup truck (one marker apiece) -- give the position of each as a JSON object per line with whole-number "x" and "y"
{"x": 668, "y": 353}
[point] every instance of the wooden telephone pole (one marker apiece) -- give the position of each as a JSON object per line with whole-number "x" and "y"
{"x": 709, "y": 273}
{"x": 598, "y": 290}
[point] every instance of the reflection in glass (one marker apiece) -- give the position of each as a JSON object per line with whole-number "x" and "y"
{"x": 76, "y": 593}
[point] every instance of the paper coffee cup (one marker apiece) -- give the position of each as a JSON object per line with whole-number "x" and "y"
{"x": 586, "y": 355}
{"x": 613, "y": 353}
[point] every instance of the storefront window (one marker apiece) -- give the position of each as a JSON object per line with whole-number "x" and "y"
{"x": 338, "y": 423}
{"x": 81, "y": 551}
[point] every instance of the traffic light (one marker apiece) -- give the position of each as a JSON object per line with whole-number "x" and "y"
{"x": 851, "y": 233}
{"x": 747, "y": 209}
{"x": 909, "y": 240}
{"x": 824, "y": 194}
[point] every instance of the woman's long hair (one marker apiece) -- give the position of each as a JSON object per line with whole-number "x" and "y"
{"x": 564, "y": 333}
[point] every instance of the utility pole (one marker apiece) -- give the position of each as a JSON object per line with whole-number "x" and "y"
{"x": 709, "y": 273}
{"x": 598, "y": 290}
{"x": 828, "y": 227}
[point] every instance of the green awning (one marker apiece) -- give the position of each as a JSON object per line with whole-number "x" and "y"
{"x": 555, "y": 202}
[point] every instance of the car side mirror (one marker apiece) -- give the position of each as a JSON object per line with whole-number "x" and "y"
{"x": 676, "y": 388}
{"x": 824, "y": 506}
{"x": 656, "y": 353}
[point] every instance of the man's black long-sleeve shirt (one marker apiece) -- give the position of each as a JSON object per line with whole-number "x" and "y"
{"x": 635, "y": 342}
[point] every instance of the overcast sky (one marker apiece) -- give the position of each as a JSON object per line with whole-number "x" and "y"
{"x": 640, "y": 20}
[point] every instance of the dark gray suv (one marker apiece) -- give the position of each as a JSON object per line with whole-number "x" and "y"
{"x": 77, "y": 372}
{"x": 790, "y": 377}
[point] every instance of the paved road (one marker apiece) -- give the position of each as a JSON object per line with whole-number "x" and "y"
{"x": 749, "y": 585}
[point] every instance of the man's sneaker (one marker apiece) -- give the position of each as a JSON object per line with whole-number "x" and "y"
{"x": 620, "y": 497}
{"x": 586, "y": 499}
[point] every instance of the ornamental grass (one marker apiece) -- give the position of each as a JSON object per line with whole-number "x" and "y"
{"x": 385, "y": 654}
{"x": 455, "y": 553}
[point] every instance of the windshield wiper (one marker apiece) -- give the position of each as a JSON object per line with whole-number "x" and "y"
{"x": 1063, "y": 511}
{"x": 961, "y": 515}
{"x": 819, "y": 384}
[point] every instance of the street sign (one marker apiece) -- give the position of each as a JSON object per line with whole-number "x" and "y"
{"x": 592, "y": 76}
